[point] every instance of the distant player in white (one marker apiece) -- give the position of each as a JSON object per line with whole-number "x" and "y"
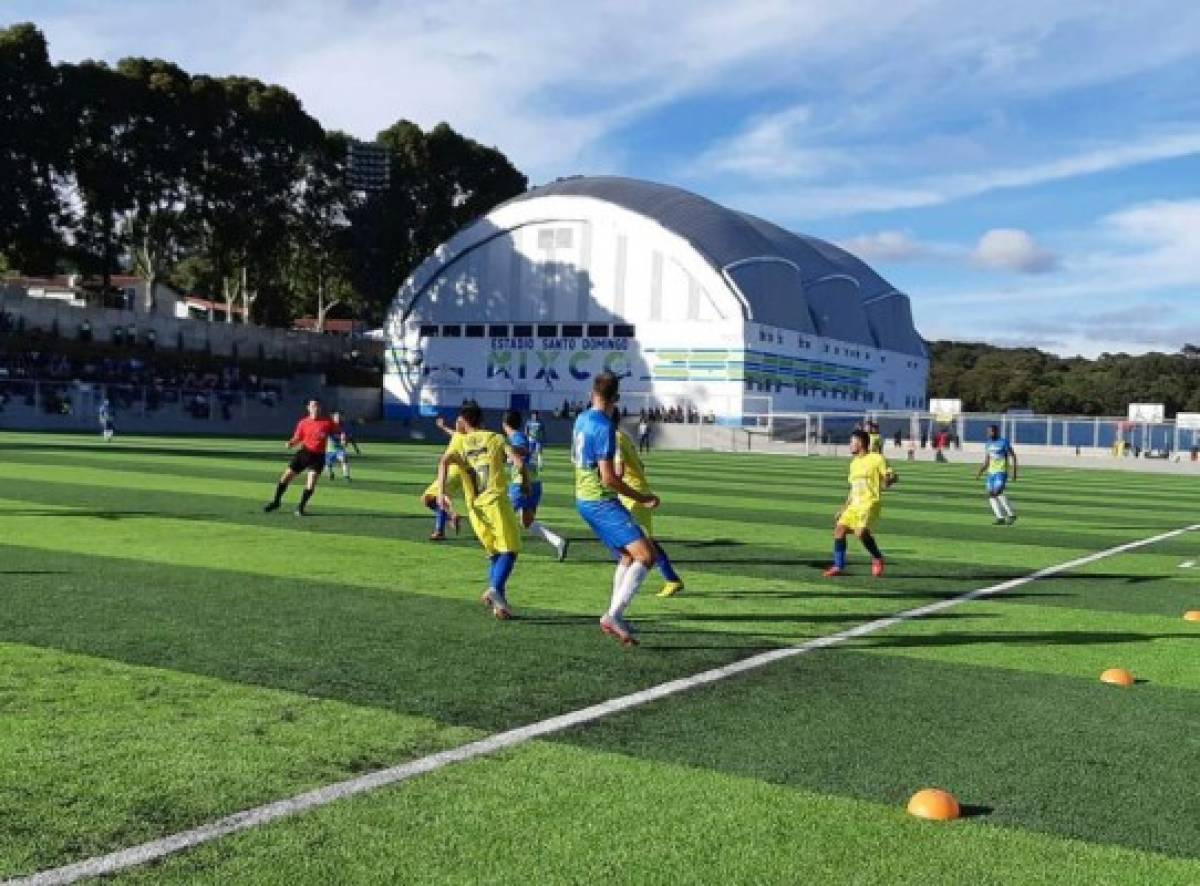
{"x": 998, "y": 453}
{"x": 105, "y": 414}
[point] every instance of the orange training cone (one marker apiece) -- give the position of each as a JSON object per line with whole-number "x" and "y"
{"x": 1192, "y": 615}
{"x": 933, "y": 804}
{"x": 1117, "y": 677}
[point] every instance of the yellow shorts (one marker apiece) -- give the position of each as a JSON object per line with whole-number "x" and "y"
{"x": 642, "y": 515}
{"x": 496, "y": 526}
{"x": 453, "y": 484}
{"x": 857, "y": 518}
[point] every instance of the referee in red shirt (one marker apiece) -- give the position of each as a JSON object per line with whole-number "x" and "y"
{"x": 310, "y": 436}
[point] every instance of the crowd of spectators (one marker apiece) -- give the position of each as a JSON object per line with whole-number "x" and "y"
{"x": 35, "y": 369}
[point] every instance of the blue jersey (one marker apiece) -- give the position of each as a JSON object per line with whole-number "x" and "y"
{"x": 533, "y": 430}
{"x": 517, "y": 440}
{"x": 594, "y": 440}
{"x": 998, "y": 453}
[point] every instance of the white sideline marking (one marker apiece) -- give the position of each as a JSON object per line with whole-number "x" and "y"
{"x": 1187, "y": 564}
{"x": 114, "y": 862}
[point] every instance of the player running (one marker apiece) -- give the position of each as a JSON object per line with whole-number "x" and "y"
{"x": 525, "y": 489}
{"x": 310, "y": 437}
{"x": 998, "y": 452}
{"x": 482, "y": 457}
{"x": 869, "y": 476}
{"x": 536, "y": 434}
{"x": 337, "y": 450}
{"x": 629, "y": 467}
{"x": 597, "y": 491}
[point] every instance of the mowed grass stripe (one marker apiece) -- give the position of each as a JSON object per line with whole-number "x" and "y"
{"x": 97, "y": 754}
{"x": 579, "y": 811}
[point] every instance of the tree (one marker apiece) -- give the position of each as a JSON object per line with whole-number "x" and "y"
{"x": 162, "y": 168}
{"x": 32, "y": 156}
{"x": 440, "y": 181}
{"x": 321, "y": 235}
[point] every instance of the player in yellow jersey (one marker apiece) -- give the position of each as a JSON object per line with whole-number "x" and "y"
{"x": 483, "y": 458}
{"x": 875, "y": 437}
{"x": 869, "y": 476}
{"x": 630, "y": 468}
{"x": 429, "y": 498}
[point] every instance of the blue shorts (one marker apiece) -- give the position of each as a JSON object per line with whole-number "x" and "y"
{"x": 996, "y": 483}
{"x": 611, "y": 522}
{"x": 333, "y": 456}
{"x": 522, "y": 502}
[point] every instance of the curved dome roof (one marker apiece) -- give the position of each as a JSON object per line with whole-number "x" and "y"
{"x": 789, "y": 280}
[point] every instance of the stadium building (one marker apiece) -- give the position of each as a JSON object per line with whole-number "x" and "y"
{"x": 693, "y": 305}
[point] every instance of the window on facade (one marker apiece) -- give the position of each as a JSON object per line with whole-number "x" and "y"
{"x": 547, "y": 330}
{"x": 598, "y": 330}
{"x": 498, "y": 331}
{"x": 475, "y": 330}
{"x": 452, "y": 330}
{"x": 623, "y": 330}
{"x": 429, "y": 331}
{"x": 522, "y": 330}
{"x": 572, "y": 330}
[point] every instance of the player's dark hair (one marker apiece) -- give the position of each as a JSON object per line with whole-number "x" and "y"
{"x": 471, "y": 414}
{"x": 995, "y": 429}
{"x": 606, "y": 386}
{"x": 863, "y": 438}
{"x": 512, "y": 418}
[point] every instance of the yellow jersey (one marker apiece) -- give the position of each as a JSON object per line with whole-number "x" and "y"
{"x": 876, "y": 442}
{"x": 868, "y": 477}
{"x": 634, "y": 470}
{"x": 487, "y": 458}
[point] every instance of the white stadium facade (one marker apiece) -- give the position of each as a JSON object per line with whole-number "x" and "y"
{"x": 693, "y": 305}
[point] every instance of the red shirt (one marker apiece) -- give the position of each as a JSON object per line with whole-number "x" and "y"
{"x": 312, "y": 433}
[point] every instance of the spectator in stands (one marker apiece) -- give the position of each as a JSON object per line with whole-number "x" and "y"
{"x": 643, "y": 430}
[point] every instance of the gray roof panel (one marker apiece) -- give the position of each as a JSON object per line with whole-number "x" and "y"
{"x": 835, "y": 288}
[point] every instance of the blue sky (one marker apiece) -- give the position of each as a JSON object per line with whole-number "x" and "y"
{"x": 1028, "y": 172}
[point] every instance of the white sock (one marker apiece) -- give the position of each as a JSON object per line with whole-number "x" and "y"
{"x": 545, "y": 534}
{"x": 618, "y": 583}
{"x": 1003, "y": 500}
{"x": 996, "y": 509}
{"x": 635, "y": 574}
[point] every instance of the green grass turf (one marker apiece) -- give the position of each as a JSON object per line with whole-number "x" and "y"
{"x": 169, "y": 654}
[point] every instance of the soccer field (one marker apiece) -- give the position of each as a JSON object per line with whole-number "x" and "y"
{"x": 170, "y": 655}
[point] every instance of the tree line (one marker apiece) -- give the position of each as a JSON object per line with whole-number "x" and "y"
{"x": 992, "y": 379}
{"x": 222, "y": 186}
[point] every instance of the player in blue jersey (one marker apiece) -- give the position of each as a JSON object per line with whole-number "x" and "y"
{"x": 526, "y": 497}
{"x": 337, "y": 451}
{"x": 536, "y": 434}
{"x": 998, "y": 454}
{"x": 598, "y": 492}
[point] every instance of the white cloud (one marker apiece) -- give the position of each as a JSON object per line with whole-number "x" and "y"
{"x": 886, "y": 246}
{"x": 823, "y": 201}
{"x": 1011, "y": 249}
{"x": 1131, "y": 286}
{"x": 770, "y": 147}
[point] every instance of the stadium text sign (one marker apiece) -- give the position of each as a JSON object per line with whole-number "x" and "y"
{"x": 1188, "y": 421}
{"x": 1147, "y": 412}
{"x": 945, "y": 407}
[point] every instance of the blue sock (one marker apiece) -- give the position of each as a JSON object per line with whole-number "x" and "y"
{"x": 502, "y": 567}
{"x": 665, "y": 569}
{"x": 440, "y": 517}
{"x": 839, "y": 553}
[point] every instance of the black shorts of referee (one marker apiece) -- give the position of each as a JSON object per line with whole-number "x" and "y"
{"x": 307, "y": 460}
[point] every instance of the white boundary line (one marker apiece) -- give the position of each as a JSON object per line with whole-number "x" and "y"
{"x": 260, "y": 815}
